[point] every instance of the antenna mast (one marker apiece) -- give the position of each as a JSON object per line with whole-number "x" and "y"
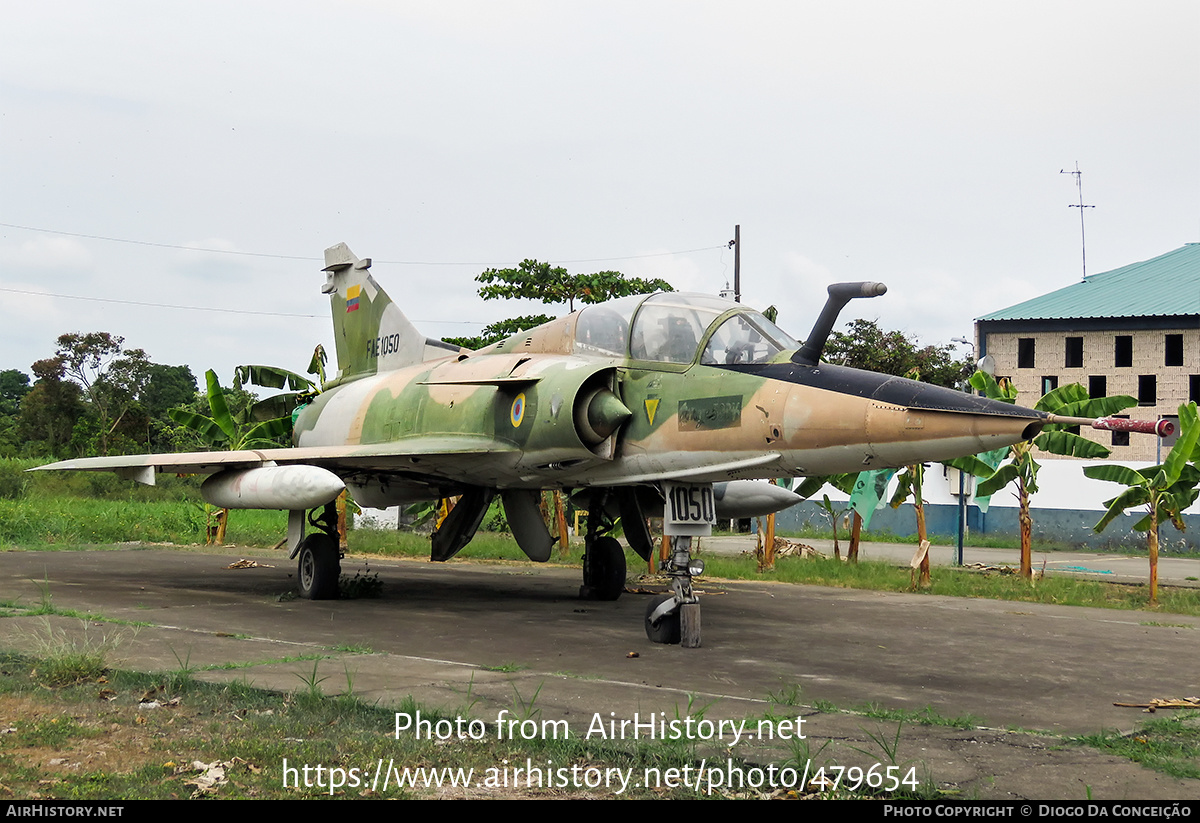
{"x": 1082, "y": 236}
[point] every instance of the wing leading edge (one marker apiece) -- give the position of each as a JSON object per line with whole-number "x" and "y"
{"x": 342, "y": 460}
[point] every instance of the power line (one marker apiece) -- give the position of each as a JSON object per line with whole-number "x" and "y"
{"x": 153, "y": 305}
{"x": 203, "y": 308}
{"x": 298, "y": 257}
{"x": 154, "y": 245}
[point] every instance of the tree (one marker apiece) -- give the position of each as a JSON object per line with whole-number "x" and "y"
{"x": 168, "y": 387}
{"x": 51, "y": 408}
{"x": 867, "y": 346}
{"x": 495, "y": 332}
{"x": 1164, "y": 490}
{"x": 532, "y": 280}
{"x": 553, "y": 285}
{"x": 14, "y": 385}
{"x": 1071, "y": 400}
{"x": 111, "y": 377}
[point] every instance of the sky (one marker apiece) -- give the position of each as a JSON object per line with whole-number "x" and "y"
{"x": 204, "y": 155}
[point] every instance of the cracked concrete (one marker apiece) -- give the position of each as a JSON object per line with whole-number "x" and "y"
{"x": 484, "y": 638}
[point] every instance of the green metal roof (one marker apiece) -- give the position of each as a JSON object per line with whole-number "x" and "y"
{"x": 1168, "y": 285}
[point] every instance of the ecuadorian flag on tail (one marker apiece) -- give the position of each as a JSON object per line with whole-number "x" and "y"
{"x": 352, "y": 298}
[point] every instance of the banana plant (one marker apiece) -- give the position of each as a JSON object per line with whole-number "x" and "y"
{"x": 1071, "y": 400}
{"x": 843, "y": 483}
{"x": 222, "y": 429}
{"x": 301, "y": 390}
{"x": 1164, "y": 490}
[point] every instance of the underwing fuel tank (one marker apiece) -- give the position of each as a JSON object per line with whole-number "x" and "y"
{"x": 272, "y": 487}
{"x": 739, "y": 499}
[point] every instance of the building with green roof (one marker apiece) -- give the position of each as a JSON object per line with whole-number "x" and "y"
{"x": 1133, "y": 330}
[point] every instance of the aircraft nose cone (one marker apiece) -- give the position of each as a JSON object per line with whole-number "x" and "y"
{"x": 899, "y": 436}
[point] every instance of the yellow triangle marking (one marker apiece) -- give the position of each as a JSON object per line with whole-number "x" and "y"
{"x": 651, "y": 408}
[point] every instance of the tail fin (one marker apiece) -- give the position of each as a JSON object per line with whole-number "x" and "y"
{"x": 371, "y": 333}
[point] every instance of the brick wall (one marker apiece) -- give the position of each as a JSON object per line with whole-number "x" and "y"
{"x": 1148, "y": 358}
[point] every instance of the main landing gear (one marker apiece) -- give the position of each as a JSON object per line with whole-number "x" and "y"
{"x": 670, "y": 618}
{"x": 320, "y": 559}
{"x": 603, "y": 557}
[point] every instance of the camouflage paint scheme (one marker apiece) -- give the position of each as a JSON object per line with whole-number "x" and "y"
{"x": 507, "y": 416}
{"x": 409, "y": 418}
{"x": 644, "y": 402}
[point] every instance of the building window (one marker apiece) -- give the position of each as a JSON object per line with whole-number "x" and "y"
{"x": 1120, "y": 438}
{"x": 1194, "y": 388}
{"x": 1123, "y": 351}
{"x": 1098, "y": 385}
{"x": 1049, "y": 384}
{"x": 1147, "y": 390}
{"x": 1074, "y": 359}
{"x": 1024, "y": 352}
{"x": 1174, "y": 347}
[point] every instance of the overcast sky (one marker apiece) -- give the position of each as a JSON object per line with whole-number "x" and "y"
{"x": 917, "y": 143}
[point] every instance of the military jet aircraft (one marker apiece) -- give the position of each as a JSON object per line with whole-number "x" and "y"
{"x": 661, "y": 402}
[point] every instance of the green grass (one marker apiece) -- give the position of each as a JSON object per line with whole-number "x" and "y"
{"x": 878, "y": 576}
{"x": 68, "y": 510}
{"x": 149, "y": 754}
{"x": 66, "y": 522}
{"x": 68, "y": 658}
{"x": 1170, "y": 745}
{"x": 983, "y": 541}
{"x": 927, "y": 716}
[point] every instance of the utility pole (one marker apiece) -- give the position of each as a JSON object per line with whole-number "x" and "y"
{"x": 1082, "y": 237}
{"x": 737, "y": 263}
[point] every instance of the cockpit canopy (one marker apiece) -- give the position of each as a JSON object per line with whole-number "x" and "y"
{"x": 671, "y": 327}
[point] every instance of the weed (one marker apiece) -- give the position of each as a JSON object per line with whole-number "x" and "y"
{"x": 890, "y": 746}
{"x": 1170, "y": 745}
{"x": 507, "y": 668}
{"x": 522, "y": 708}
{"x": 365, "y": 583}
{"x": 788, "y": 695}
{"x": 349, "y": 648}
{"x": 1167, "y": 625}
{"x": 45, "y": 599}
{"x": 312, "y": 683}
{"x": 67, "y": 660}
{"x": 470, "y": 697}
{"x": 928, "y": 716}
{"x": 349, "y": 693}
{"x": 181, "y": 677}
{"x": 826, "y": 707}
{"x": 802, "y": 753}
{"x": 696, "y": 714}
{"x": 250, "y": 664}
{"x": 51, "y": 732}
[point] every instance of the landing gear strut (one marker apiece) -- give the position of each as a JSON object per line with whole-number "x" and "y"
{"x": 603, "y": 557}
{"x": 675, "y": 617}
{"x": 320, "y": 559}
